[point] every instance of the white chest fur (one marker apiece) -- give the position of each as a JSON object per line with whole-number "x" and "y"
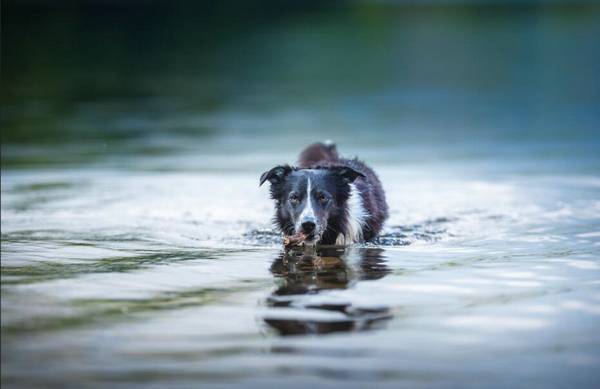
{"x": 356, "y": 218}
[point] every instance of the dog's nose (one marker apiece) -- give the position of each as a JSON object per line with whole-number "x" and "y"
{"x": 308, "y": 227}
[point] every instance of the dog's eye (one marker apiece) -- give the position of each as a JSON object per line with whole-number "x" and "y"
{"x": 294, "y": 198}
{"x": 322, "y": 198}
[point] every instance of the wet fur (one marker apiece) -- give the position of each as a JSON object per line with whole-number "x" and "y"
{"x": 359, "y": 209}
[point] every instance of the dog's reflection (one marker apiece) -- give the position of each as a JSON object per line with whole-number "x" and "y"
{"x": 304, "y": 273}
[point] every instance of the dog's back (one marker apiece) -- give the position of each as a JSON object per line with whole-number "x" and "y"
{"x": 372, "y": 208}
{"x": 318, "y": 154}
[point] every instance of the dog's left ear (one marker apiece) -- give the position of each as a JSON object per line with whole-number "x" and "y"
{"x": 275, "y": 175}
{"x": 347, "y": 174}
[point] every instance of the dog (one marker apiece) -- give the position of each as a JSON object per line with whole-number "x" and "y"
{"x": 331, "y": 200}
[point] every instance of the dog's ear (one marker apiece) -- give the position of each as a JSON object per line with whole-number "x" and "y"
{"x": 275, "y": 175}
{"x": 347, "y": 174}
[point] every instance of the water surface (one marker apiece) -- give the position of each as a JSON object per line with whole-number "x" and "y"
{"x": 137, "y": 247}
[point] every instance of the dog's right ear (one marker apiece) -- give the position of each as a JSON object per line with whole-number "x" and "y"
{"x": 275, "y": 175}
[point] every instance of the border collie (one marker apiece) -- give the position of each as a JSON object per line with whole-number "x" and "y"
{"x": 329, "y": 199}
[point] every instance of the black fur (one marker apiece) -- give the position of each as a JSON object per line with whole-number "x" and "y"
{"x": 330, "y": 177}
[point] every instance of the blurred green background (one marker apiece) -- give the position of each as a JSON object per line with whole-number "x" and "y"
{"x": 87, "y": 81}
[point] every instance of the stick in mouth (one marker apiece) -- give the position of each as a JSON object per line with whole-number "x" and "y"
{"x": 294, "y": 240}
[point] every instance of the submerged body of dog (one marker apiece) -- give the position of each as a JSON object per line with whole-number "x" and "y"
{"x": 327, "y": 199}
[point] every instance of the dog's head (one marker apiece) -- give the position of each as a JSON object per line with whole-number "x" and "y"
{"x": 309, "y": 200}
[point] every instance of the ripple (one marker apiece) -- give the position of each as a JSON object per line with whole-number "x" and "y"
{"x": 431, "y": 230}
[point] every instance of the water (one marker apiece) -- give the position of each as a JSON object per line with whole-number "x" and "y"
{"x": 137, "y": 249}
